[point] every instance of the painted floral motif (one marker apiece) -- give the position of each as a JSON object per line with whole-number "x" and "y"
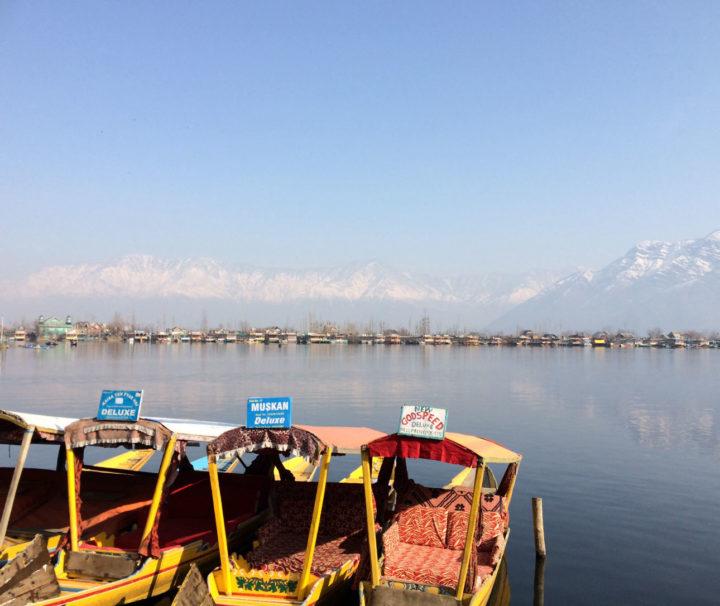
{"x": 260, "y": 585}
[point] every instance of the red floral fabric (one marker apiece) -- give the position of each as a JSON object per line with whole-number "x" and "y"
{"x": 432, "y": 566}
{"x": 493, "y": 519}
{"x": 423, "y": 526}
{"x": 452, "y": 499}
{"x": 457, "y": 529}
{"x": 283, "y": 540}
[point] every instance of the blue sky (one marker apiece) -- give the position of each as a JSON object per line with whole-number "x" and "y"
{"x": 443, "y": 137}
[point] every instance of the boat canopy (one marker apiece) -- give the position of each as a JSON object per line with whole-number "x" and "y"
{"x": 191, "y": 430}
{"x": 91, "y": 432}
{"x": 48, "y": 428}
{"x": 305, "y": 441}
{"x": 457, "y": 448}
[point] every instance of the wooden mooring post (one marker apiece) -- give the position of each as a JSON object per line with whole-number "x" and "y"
{"x": 540, "y": 552}
{"x": 538, "y": 527}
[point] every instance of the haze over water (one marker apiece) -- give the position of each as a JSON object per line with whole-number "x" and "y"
{"x": 622, "y": 445}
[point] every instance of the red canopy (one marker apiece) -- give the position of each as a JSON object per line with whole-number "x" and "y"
{"x": 458, "y": 449}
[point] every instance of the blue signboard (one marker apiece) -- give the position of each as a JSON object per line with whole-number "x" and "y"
{"x": 269, "y": 412}
{"x": 120, "y": 405}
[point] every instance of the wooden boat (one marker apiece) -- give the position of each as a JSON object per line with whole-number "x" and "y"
{"x": 158, "y": 528}
{"x": 28, "y": 489}
{"x": 312, "y": 546}
{"x": 443, "y": 545}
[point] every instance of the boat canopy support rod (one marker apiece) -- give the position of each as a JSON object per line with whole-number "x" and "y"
{"x": 372, "y": 542}
{"x": 220, "y": 523}
{"x": 157, "y": 496}
{"x": 472, "y": 524}
{"x": 314, "y": 525}
{"x": 12, "y": 491}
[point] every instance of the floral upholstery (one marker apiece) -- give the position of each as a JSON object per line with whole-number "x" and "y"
{"x": 434, "y": 566}
{"x": 283, "y": 540}
{"x": 493, "y": 519}
{"x": 457, "y": 529}
{"x": 451, "y": 499}
{"x": 417, "y": 550}
{"x": 423, "y": 526}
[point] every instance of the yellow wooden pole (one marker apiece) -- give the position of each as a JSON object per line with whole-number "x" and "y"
{"x": 219, "y": 522}
{"x": 72, "y": 502}
{"x": 315, "y": 524}
{"x": 155, "y": 505}
{"x": 469, "y": 538}
{"x": 372, "y": 542}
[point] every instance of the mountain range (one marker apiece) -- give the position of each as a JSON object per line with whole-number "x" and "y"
{"x": 671, "y": 285}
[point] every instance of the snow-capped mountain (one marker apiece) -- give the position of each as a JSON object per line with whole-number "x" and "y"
{"x": 138, "y": 281}
{"x": 666, "y": 285}
{"x": 669, "y": 285}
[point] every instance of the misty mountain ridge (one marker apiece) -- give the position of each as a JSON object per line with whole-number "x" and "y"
{"x": 655, "y": 284}
{"x": 671, "y": 285}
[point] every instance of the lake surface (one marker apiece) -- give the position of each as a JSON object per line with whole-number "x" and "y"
{"x": 623, "y": 445}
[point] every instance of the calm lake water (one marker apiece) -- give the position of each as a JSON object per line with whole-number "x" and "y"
{"x": 623, "y": 445}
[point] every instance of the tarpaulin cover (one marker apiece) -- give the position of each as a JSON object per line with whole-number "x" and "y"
{"x": 458, "y": 449}
{"x": 90, "y": 432}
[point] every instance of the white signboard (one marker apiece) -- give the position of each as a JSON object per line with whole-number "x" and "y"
{"x": 423, "y": 422}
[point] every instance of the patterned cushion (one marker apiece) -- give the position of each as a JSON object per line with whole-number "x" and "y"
{"x": 493, "y": 519}
{"x": 457, "y": 529}
{"x": 431, "y": 566}
{"x": 286, "y": 553}
{"x": 423, "y": 526}
{"x": 452, "y": 499}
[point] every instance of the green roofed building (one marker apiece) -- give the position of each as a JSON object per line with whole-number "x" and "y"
{"x": 52, "y": 328}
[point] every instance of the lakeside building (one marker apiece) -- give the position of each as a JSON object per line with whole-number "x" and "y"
{"x": 52, "y": 329}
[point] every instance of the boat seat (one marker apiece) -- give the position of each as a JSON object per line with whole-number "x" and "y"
{"x": 424, "y": 543}
{"x": 283, "y": 540}
{"x": 188, "y": 513}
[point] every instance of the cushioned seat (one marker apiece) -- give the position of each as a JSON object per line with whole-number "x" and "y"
{"x": 432, "y": 566}
{"x": 425, "y": 542}
{"x": 283, "y": 540}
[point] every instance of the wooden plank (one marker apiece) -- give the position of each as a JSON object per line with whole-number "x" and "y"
{"x": 40, "y": 585}
{"x": 30, "y": 559}
{"x": 101, "y": 565}
{"x": 193, "y": 591}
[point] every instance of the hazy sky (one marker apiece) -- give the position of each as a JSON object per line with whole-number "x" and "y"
{"x": 457, "y": 137}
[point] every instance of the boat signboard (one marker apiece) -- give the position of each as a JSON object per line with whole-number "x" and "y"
{"x": 120, "y": 405}
{"x": 269, "y": 412}
{"x": 423, "y": 422}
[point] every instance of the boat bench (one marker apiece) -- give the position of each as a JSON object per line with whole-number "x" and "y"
{"x": 188, "y": 514}
{"x": 283, "y": 540}
{"x": 425, "y": 540}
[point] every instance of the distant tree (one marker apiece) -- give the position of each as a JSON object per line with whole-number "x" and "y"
{"x": 116, "y": 326}
{"x": 655, "y": 333}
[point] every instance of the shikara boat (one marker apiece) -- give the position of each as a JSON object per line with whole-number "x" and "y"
{"x": 312, "y": 546}
{"x": 442, "y": 545}
{"x": 159, "y": 527}
{"x": 27, "y": 490}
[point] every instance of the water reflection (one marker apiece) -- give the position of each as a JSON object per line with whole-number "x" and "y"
{"x": 595, "y": 429}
